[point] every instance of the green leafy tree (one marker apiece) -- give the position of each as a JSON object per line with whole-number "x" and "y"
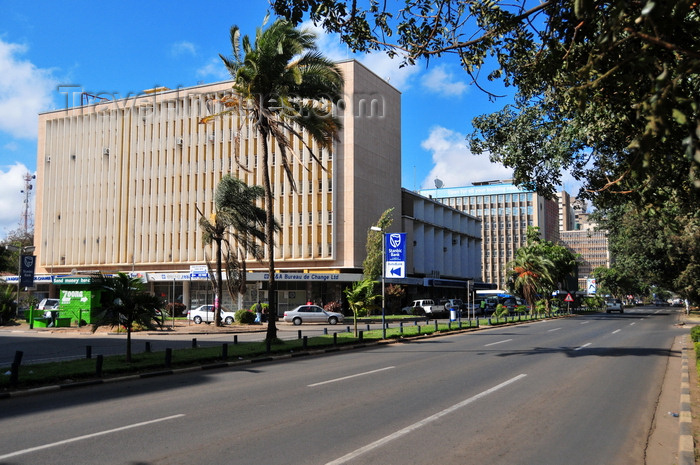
{"x": 126, "y": 302}
{"x": 607, "y": 90}
{"x": 285, "y": 88}
{"x": 9, "y": 259}
{"x": 616, "y": 281}
{"x": 237, "y": 227}
{"x": 360, "y": 296}
{"x": 372, "y": 264}
{"x": 8, "y": 304}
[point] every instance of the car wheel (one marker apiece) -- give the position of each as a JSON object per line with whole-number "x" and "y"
{"x": 296, "y": 321}
{"x": 228, "y": 320}
{"x": 197, "y": 319}
{"x": 333, "y": 320}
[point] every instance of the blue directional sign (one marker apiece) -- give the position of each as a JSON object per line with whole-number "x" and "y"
{"x": 395, "y": 257}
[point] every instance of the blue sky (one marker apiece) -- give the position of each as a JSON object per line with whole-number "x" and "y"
{"x": 119, "y": 49}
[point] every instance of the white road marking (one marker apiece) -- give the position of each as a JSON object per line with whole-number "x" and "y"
{"x": 88, "y": 436}
{"x": 585, "y": 322}
{"x": 634, "y": 323}
{"x": 351, "y": 376}
{"x": 421, "y": 423}
{"x": 553, "y": 329}
{"x": 616, "y": 331}
{"x": 585, "y": 345}
{"x": 499, "y": 342}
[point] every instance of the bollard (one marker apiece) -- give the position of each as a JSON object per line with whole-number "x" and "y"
{"x": 14, "y": 369}
{"x": 224, "y": 351}
{"x": 88, "y": 351}
{"x": 194, "y": 342}
{"x": 368, "y": 328}
{"x": 168, "y": 357}
{"x": 299, "y": 334}
{"x": 361, "y": 335}
{"x": 148, "y": 347}
{"x": 348, "y": 329}
{"x": 400, "y": 327}
{"x": 489, "y": 321}
{"x": 436, "y": 325}
{"x": 98, "y": 366}
{"x": 418, "y": 328}
{"x": 325, "y": 331}
{"x": 304, "y": 342}
{"x": 335, "y": 339}
{"x": 235, "y": 339}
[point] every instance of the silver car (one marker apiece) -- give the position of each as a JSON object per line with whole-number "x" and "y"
{"x": 205, "y": 313}
{"x": 312, "y": 314}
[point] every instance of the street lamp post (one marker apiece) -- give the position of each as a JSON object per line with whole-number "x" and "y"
{"x": 22, "y": 250}
{"x": 376, "y": 228}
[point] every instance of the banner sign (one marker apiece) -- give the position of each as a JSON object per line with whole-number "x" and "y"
{"x": 395, "y": 257}
{"x": 26, "y": 274}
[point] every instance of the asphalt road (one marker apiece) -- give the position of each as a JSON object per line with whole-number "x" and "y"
{"x": 578, "y": 390}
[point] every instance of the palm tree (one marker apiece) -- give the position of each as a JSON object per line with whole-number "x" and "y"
{"x": 285, "y": 88}
{"x": 529, "y": 274}
{"x": 360, "y": 296}
{"x": 236, "y": 216}
{"x": 125, "y": 302}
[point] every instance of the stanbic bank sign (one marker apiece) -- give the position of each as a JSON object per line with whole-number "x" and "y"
{"x": 315, "y": 277}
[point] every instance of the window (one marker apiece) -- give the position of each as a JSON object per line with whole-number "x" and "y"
{"x": 330, "y": 218}
{"x": 330, "y": 185}
{"x": 311, "y": 186}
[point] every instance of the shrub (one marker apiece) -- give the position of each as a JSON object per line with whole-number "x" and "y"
{"x": 334, "y": 306}
{"x": 245, "y": 317}
{"x": 695, "y": 334}
{"x": 418, "y": 311}
{"x": 501, "y": 311}
{"x": 175, "y": 307}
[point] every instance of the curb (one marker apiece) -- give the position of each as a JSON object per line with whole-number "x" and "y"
{"x": 686, "y": 448}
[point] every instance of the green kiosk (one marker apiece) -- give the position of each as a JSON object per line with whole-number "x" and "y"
{"x": 78, "y": 303}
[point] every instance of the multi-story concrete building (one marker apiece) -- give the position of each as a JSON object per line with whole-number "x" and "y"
{"x": 506, "y": 211}
{"x": 592, "y": 246}
{"x": 122, "y": 184}
{"x": 566, "y": 211}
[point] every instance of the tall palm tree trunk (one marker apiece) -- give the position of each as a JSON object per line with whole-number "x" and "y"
{"x": 219, "y": 284}
{"x": 269, "y": 237}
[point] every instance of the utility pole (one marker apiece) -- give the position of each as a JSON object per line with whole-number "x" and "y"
{"x": 26, "y": 219}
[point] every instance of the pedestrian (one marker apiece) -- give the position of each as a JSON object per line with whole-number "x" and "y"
{"x": 257, "y": 308}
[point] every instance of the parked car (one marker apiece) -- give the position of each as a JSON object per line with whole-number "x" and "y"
{"x": 311, "y": 314}
{"x": 660, "y": 303}
{"x": 454, "y": 303}
{"x": 205, "y": 313}
{"x": 614, "y": 305}
{"x": 47, "y": 306}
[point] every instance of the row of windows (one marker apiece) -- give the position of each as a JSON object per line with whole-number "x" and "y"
{"x": 500, "y": 211}
{"x": 310, "y": 186}
{"x": 507, "y": 225}
{"x": 485, "y": 199}
{"x": 281, "y": 218}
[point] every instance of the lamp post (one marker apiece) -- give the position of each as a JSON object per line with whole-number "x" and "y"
{"x": 22, "y": 250}
{"x": 376, "y": 228}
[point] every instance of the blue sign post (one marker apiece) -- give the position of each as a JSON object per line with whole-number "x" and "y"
{"x": 395, "y": 255}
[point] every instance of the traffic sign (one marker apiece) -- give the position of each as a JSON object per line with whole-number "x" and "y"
{"x": 568, "y": 298}
{"x": 395, "y": 270}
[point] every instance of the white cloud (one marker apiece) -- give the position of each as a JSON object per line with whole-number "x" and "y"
{"x": 11, "y": 200}
{"x": 443, "y": 82}
{"x": 378, "y": 62}
{"x": 25, "y": 91}
{"x": 182, "y": 48}
{"x": 214, "y": 68}
{"x": 454, "y": 164}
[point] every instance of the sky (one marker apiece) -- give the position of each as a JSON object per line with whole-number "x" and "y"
{"x": 50, "y": 50}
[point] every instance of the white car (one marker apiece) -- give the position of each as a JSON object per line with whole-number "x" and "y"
{"x": 312, "y": 314}
{"x": 205, "y": 313}
{"x": 614, "y": 305}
